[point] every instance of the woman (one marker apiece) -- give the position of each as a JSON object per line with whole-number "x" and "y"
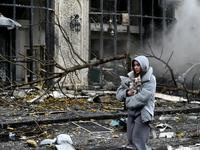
{"x": 140, "y": 105}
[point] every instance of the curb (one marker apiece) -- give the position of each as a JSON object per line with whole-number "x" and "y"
{"x": 98, "y": 117}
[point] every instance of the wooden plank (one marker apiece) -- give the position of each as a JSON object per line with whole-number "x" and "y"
{"x": 168, "y": 97}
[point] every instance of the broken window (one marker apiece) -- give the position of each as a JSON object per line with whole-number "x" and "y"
{"x": 30, "y": 39}
{"x": 120, "y": 26}
{"x": 38, "y": 53}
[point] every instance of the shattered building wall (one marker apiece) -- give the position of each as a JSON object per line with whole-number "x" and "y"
{"x": 32, "y": 38}
{"x": 148, "y": 20}
{"x": 108, "y": 28}
{"x": 103, "y": 34}
{"x": 23, "y": 43}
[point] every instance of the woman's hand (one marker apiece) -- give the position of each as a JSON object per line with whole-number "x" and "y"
{"x": 130, "y": 93}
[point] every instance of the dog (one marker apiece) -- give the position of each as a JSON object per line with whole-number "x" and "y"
{"x": 135, "y": 84}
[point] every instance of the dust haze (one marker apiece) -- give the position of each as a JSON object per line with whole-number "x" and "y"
{"x": 183, "y": 39}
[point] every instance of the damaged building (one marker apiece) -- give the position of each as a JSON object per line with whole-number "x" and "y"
{"x": 96, "y": 29}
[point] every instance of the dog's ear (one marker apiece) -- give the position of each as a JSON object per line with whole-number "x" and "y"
{"x": 139, "y": 78}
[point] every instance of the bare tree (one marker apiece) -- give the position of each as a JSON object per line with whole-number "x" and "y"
{"x": 77, "y": 63}
{"x": 174, "y": 85}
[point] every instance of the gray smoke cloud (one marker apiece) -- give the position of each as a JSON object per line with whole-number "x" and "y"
{"x": 183, "y": 39}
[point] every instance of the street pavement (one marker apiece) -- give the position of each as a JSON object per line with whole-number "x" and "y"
{"x": 178, "y": 123}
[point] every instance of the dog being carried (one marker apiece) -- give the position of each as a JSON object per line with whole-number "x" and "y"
{"x": 135, "y": 84}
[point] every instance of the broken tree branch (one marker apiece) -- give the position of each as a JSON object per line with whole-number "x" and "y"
{"x": 78, "y": 67}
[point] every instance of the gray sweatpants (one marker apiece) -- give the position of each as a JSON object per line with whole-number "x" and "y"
{"x": 138, "y": 133}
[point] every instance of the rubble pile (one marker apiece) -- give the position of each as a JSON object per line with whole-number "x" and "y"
{"x": 34, "y": 118}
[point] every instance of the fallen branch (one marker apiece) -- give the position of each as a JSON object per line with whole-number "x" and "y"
{"x": 78, "y": 67}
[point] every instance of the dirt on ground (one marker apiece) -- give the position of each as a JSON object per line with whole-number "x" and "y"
{"x": 178, "y": 123}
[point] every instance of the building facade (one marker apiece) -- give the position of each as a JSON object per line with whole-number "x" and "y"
{"x": 32, "y": 39}
{"x": 75, "y": 32}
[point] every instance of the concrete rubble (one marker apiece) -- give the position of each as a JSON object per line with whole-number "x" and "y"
{"x": 177, "y": 123}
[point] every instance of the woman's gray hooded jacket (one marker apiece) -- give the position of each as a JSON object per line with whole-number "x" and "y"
{"x": 144, "y": 101}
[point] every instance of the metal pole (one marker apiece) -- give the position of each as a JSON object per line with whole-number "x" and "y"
{"x": 47, "y": 25}
{"x": 115, "y": 38}
{"x": 47, "y": 34}
{"x": 31, "y": 38}
{"x": 13, "y": 43}
{"x": 14, "y": 10}
{"x": 50, "y": 5}
{"x": 89, "y": 31}
{"x": 90, "y": 38}
{"x": 140, "y": 28}
{"x": 152, "y": 21}
{"x": 128, "y": 27}
{"x": 101, "y": 42}
{"x": 163, "y": 20}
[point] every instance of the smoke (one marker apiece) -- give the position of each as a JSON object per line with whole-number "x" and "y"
{"x": 183, "y": 39}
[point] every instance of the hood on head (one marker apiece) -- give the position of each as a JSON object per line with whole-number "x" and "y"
{"x": 143, "y": 61}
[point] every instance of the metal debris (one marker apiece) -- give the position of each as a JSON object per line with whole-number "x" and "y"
{"x": 9, "y": 23}
{"x": 91, "y": 126}
{"x": 163, "y": 126}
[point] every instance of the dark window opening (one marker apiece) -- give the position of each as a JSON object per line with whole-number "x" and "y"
{"x": 6, "y": 11}
{"x": 22, "y": 2}
{"x": 7, "y": 1}
{"x": 110, "y": 36}
{"x": 13, "y": 42}
{"x": 22, "y": 13}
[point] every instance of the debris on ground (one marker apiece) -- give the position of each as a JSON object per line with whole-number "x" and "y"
{"x": 91, "y": 126}
{"x": 166, "y": 135}
{"x": 11, "y": 136}
{"x": 163, "y": 126}
{"x": 31, "y": 143}
{"x": 64, "y": 141}
{"x": 122, "y": 122}
{"x": 55, "y": 113}
{"x": 170, "y": 97}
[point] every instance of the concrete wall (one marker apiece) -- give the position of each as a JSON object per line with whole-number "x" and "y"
{"x": 80, "y": 41}
{"x": 64, "y": 56}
